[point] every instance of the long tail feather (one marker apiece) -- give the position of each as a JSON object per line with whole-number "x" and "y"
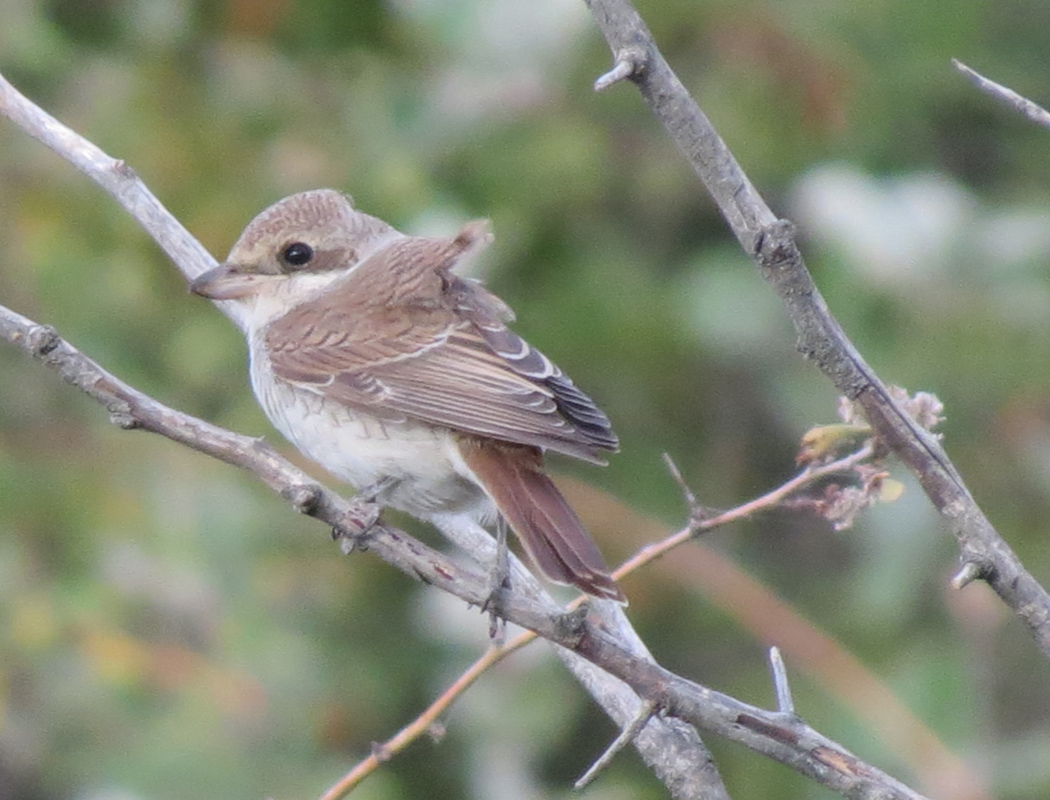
{"x": 546, "y": 525}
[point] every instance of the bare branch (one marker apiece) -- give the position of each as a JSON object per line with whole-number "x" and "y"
{"x": 697, "y": 523}
{"x": 1022, "y": 105}
{"x": 772, "y": 499}
{"x": 771, "y": 243}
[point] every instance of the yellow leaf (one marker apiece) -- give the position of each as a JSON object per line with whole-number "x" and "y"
{"x": 890, "y": 490}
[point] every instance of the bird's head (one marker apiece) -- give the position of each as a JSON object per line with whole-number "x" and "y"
{"x": 294, "y": 249}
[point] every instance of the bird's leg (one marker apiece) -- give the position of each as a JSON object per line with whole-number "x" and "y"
{"x": 499, "y": 583}
{"x": 368, "y": 496}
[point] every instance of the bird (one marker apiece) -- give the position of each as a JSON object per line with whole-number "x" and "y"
{"x": 402, "y": 378}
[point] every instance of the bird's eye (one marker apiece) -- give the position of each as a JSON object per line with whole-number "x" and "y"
{"x": 297, "y": 254}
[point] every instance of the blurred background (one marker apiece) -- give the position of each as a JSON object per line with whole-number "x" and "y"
{"x": 169, "y": 629}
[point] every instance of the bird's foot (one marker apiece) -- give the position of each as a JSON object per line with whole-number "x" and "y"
{"x": 364, "y": 517}
{"x": 361, "y": 520}
{"x": 495, "y": 604}
{"x": 499, "y": 585}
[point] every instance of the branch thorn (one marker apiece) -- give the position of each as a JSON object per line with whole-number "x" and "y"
{"x": 785, "y": 703}
{"x": 970, "y": 572}
{"x": 629, "y": 61}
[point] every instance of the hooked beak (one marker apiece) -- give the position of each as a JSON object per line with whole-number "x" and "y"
{"x": 224, "y": 282}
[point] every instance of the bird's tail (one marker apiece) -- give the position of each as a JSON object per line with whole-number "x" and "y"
{"x": 553, "y": 536}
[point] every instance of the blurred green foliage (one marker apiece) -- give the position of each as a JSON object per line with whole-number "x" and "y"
{"x": 169, "y": 630}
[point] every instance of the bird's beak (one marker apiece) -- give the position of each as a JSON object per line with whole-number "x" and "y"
{"x": 225, "y": 282}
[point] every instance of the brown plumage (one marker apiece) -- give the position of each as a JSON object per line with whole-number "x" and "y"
{"x": 536, "y": 511}
{"x": 403, "y": 337}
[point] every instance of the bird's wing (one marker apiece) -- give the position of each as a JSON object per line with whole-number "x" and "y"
{"x": 404, "y": 338}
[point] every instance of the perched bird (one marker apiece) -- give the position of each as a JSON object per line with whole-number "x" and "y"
{"x": 398, "y": 376}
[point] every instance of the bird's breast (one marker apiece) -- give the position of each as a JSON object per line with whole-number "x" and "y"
{"x": 364, "y": 449}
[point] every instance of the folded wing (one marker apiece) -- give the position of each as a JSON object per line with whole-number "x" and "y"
{"x": 404, "y": 338}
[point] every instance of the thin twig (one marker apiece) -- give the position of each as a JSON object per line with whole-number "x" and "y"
{"x": 627, "y": 735}
{"x": 424, "y": 722}
{"x": 771, "y": 499}
{"x": 676, "y": 474}
{"x": 1031, "y": 111}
